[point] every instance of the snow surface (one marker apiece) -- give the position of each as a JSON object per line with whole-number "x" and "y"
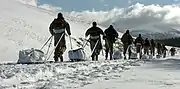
{"x": 155, "y": 74}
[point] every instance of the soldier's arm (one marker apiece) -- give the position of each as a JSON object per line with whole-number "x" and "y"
{"x": 68, "y": 28}
{"x": 51, "y": 28}
{"x": 101, "y": 31}
{"x": 87, "y": 32}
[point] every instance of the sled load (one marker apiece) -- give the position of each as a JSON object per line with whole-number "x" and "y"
{"x": 31, "y": 56}
{"x": 117, "y": 55}
{"x": 132, "y": 49}
{"x": 77, "y": 55}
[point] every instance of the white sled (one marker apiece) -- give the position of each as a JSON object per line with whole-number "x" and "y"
{"x": 134, "y": 55}
{"x": 117, "y": 55}
{"x": 77, "y": 55}
{"x": 31, "y": 56}
{"x": 158, "y": 56}
{"x": 144, "y": 56}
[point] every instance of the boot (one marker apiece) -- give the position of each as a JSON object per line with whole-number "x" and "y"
{"x": 96, "y": 57}
{"x": 61, "y": 58}
{"x": 106, "y": 56}
{"x": 93, "y": 58}
{"x": 56, "y": 59}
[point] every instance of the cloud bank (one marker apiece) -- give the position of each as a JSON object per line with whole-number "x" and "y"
{"x": 138, "y": 18}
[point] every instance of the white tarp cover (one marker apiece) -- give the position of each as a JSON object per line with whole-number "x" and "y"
{"x": 31, "y": 55}
{"x": 117, "y": 55}
{"x": 77, "y": 54}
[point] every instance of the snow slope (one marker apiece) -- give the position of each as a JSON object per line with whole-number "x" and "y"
{"x": 25, "y": 26}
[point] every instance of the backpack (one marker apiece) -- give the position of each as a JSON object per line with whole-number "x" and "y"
{"x": 59, "y": 24}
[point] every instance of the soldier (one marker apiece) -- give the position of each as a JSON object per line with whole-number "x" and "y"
{"x": 139, "y": 44}
{"x": 95, "y": 40}
{"x": 172, "y": 50}
{"x": 159, "y": 48}
{"x": 127, "y": 41}
{"x": 164, "y": 50}
{"x": 57, "y": 29}
{"x": 146, "y": 46}
{"x": 110, "y": 38}
{"x": 152, "y": 48}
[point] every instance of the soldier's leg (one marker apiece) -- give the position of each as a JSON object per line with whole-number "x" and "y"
{"x": 96, "y": 57}
{"x": 125, "y": 46}
{"x": 56, "y": 38}
{"x": 129, "y": 51}
{"x": 92, "y": 44}
{"x": 107, "y": 51}
{"x": 111, "y": 50}
{"x": 140, "y": 54}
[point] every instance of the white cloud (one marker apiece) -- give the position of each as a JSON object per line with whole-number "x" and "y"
{"x": 29, "y": 2}
{"x": 50, "y": 7}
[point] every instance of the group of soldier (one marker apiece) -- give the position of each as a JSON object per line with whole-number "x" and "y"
{"x": 59, "y": 26}
{"x": 146, "y": 47}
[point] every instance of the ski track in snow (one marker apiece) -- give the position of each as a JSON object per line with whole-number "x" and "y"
{"x": 61, "y": 75}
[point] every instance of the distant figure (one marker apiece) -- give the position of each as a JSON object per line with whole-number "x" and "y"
{"x": 152, "y": 48}
{"x": 146, "y": 46}
{"x": 127, "y": 40}
{"x": 110, "y": 38}
{"x": 95, "y": 40}
{"x": 139, "y": 45}
{"x": 159, "y": 48}
{"x": 57, "y": 29}
{"x": 173, "y": 51}
{"x": 164, "y": 50}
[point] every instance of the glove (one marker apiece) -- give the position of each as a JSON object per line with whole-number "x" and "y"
{"x": 69, "y": 34}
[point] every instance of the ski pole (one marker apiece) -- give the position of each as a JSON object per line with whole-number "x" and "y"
{"x": 84, "y": 45}
{"x": 49, "y": 47}
{"x": 46, "y": 42}
{"x": 55, "y": 47}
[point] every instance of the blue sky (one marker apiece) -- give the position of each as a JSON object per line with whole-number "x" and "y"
{"x": 81, "y": 5}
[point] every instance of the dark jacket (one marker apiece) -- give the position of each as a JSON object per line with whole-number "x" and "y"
{"x": 139, "y": 40}
{"x": 111, "y": 34}
{"x": 59, "y": 23}
{"x": 127, "y": 39}
{"x": 94, "y": 31}
{"x": 147, "y": 43}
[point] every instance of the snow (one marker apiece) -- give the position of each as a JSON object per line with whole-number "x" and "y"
{"x": 156, "y": 74}
{"x": 24, "y": 27}
{"x": 60, "y": 75}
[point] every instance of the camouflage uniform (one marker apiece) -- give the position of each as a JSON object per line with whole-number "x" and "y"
{"x": 94, "y": 33}
{"x": 139, "y": 45}
{"x": 110, "y": 38}
{"x": 127, "y": 41}
{"x": 57, "y": 29}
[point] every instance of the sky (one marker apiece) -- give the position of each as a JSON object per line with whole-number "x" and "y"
{"x": 81, "y": 5}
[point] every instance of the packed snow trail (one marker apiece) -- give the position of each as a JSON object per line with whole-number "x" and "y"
{"x": 154, "y": 74}
{"x": 61, "y": 75}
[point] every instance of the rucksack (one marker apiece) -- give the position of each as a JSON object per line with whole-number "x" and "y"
{"x": 59, "y": 23}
